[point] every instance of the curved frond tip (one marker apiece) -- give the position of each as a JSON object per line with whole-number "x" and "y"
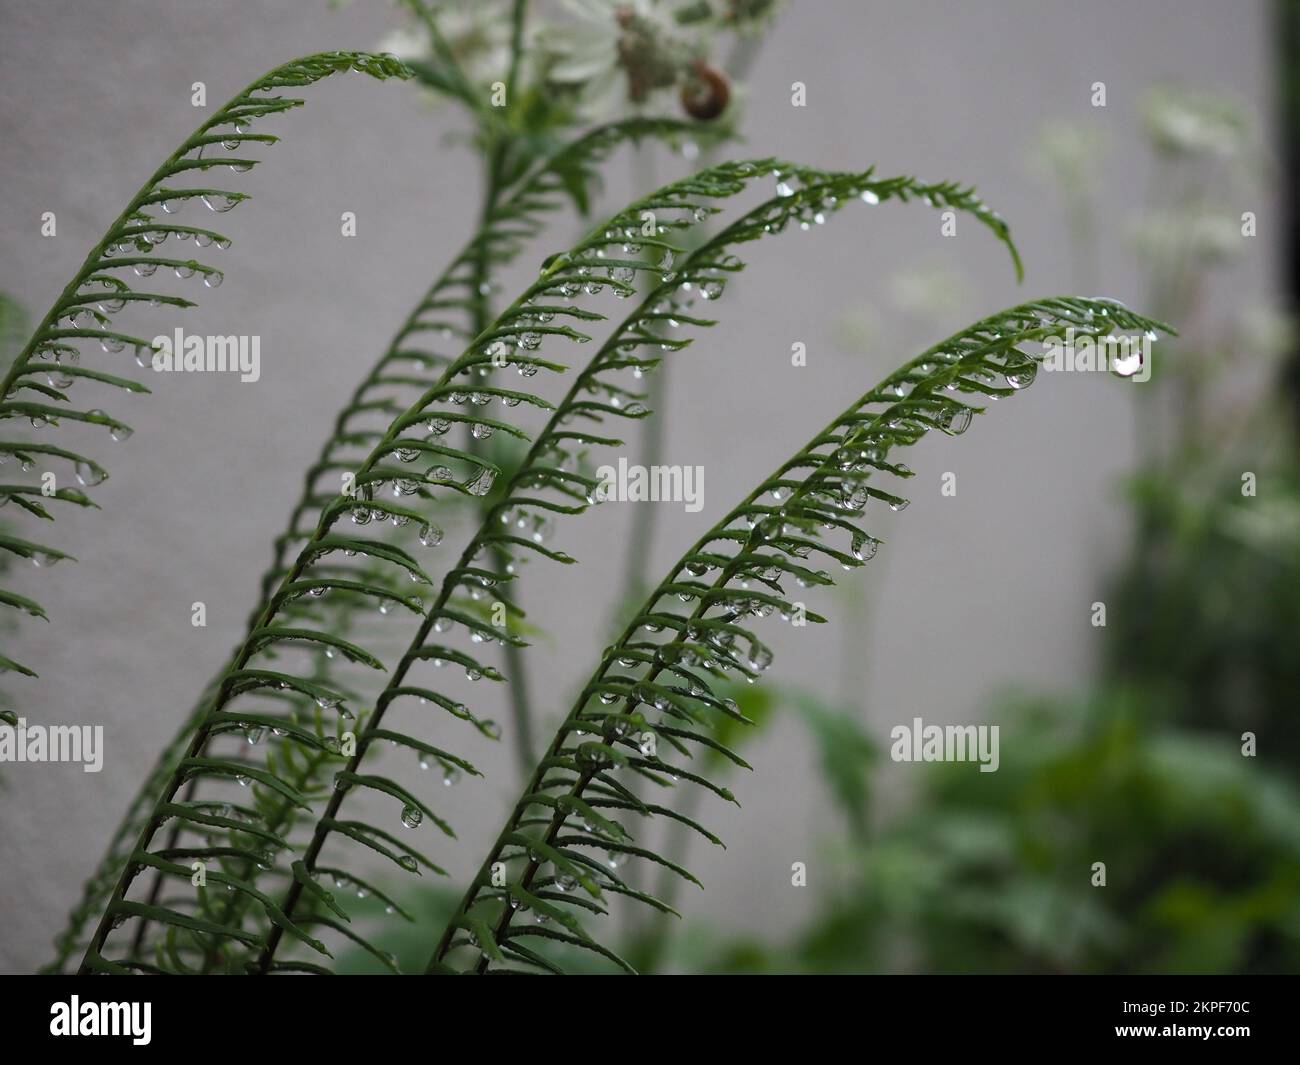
{"x": 656, "y": 696}
{"x": 36, "y": 387}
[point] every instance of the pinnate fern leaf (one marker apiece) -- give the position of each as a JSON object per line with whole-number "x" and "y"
{"x": 35, "y": 387}
{"x": 408, "y": 366}
{"x": 654, "y": 697}
{"x": 545, "y": 466}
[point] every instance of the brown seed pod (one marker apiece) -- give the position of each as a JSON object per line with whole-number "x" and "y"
{"x": 706, "y": 91}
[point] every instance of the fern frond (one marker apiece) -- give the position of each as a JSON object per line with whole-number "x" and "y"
{"x": 531, "y": 317}
{"x": 446, "y": 312}
{"x": 526, "y": 322}
{"x": 36, "y": 386}
{"x": 409, "y": 365}
{"x": 522, "y": 328}
{"x": 653, "y": 696}
{"x": 552, "y": 459}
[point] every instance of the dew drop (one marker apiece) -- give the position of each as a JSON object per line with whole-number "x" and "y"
{"x": 864, "y": 547}
{"x": 89, "y": 475}
{"x": 956, "y": 421}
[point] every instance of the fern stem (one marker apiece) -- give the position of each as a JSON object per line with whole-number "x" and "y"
{"x": 518, "y": 691}
{"x": 641, "y": 542}
{"x": 517, "y": 17}
{"x": 584, "y": 777}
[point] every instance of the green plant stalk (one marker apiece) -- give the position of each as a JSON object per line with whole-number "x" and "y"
{"x": 516, "y": 669}
{"x": 641, "y": 544}
{"x": 656, "y": 938}
{"x": 585, "y": 776}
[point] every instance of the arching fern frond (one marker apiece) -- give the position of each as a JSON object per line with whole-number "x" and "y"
{"x": 553, "y": 463}
{"x": 553, "y": 460}
{"x": 410, "y": 364}
{"x": 437, "y": 409}
{"x": 652, "y": 698}
{"x": 446, "y": 313}
{"x": 35, "y": 388}
{"x": 524, "y": 324}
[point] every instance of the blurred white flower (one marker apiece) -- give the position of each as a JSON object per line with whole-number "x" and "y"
{"x": 476, "y": 31}
{"x": 1197, "y": 232}
{"x": 929, "y": 289}
{"x": 859, "y": 329}
{"x": 1183, "y": 122}
{"x": 1267, "y": 525}
{"x": 1067, "y": 151}
{"x": 1266, "y": 332}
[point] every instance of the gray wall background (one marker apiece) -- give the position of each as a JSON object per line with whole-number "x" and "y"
{"x": 997, "y": 582}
